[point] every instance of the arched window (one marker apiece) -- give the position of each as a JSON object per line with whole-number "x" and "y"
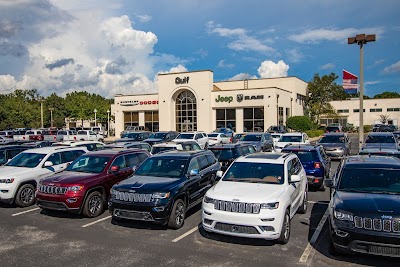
{"x": 186, "y": 112}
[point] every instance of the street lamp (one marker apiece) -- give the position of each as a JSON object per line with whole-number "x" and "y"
{"x": 361, "y": 40}
{"x": 41, "y": 100}
{"x": 51, "y": 116}
{"x": 95, "y": 118}
{"x": 108, "y": 123}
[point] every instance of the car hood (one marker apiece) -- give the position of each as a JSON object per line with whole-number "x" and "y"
{"x": 148, "y": 183}
{"x": 8, "y": 171}
{"x": 332, "y": 145}
{"x": 365, "y": 203}
{"x": 154, "y": 140}
{"x": 69, "y": 177}
{"x": 246, "y": 192}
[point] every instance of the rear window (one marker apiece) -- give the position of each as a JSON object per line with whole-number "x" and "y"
{"x": 304, "y": 156}
{"x": 371, "y": 139}
{"x": 225, "y": 154}
{"x": 332, "y": 129}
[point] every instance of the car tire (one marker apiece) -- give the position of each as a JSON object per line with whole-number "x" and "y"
{"x": 322, "y": 187}
{"x": 94, "y": 205}
{"x": 303, "y": 208}
{"x": 177, "y": 216}
{"x": 25, "y": 196}
{"x": 285, "y": 231}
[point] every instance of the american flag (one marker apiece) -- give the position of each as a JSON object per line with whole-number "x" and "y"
{"x": 350, "y": 82}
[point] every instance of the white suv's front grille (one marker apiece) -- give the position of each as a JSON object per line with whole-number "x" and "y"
{"x": 239, "y": 207}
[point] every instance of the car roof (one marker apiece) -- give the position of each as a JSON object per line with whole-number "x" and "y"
{"x": 380, "y": 133}
{"x": 168, "y": 144}
{"x": 254, "y": 133}
{"x": 49, "y": 149}
{"x": 13, "y": 146}
{"x": 334, "y": 134}
{"x": 265, "y": 157}
{"x": 370, "y": 161}
{"x": 293, "y": 134}
{"x": 301, "y": 147}
{"x": 227, "y": 146}
{"x": 181, "y": 153}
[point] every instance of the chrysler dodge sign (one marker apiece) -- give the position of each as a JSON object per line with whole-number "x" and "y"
{"x": 239, "y": 98}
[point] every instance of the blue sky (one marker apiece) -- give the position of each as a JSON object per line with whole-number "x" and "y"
{"x": 109, "y": 47}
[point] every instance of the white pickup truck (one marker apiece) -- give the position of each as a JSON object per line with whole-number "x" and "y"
{"x": 84, "y": 135}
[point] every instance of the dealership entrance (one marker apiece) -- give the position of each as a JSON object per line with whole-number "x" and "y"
{"x": 186, "y": 112}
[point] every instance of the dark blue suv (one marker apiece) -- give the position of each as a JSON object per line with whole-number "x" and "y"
{"x": 315, "y": 162}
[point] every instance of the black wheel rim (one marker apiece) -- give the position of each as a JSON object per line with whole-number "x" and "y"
{"x": 179, "y": 214}
{"x": 27, "y": 195}
{"x": 95, "y": 204}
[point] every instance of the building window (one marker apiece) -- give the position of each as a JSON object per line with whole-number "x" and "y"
{"x": 375, "y": 110}
{"x": 186, "y": 112}
{"x": 253, "y": 119}
{"x": 226, "y": 118}
{"x": 280, "y": 116}
{"x": 343, "y": 111}
{"x": 131, "y": 119}
{"x": 357, "y": 110}
{"x": 393, "y": 109}
{"x": 151, "y": 121}
{"x": 300, "y": 99}
{"x": 288, "y": 113}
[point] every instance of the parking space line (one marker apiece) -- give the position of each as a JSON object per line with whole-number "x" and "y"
{"x": 23, "y": 212}
{"x": 310, "y": 248}
{"x": 97, "y": 221}
{"x": 185, "y": 234}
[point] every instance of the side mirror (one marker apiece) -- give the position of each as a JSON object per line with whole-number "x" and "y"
{"x": 193, "y": 172}
{"x": 329, "y": 183}
{"x": 295, "y": 178}
{"x": 48, "y": 164}
{"x": 219, "y": 174}
{"x": 134, "y": 168}
{"x": 114, "y": 168}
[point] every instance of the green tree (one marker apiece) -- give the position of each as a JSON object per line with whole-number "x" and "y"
{"x": 299, "y": 123}
{"x": 322, "y": 90}
{"x": 56, "y": 103}
{"x": 387, "y": 95}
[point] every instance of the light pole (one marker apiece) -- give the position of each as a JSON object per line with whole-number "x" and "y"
{"x": 51, "y": 116}
{"x": 108, "y": 123}
{"x": 361, "y": 40}
{"x": 95, "y": 118}
{"x": 41, "y": 100}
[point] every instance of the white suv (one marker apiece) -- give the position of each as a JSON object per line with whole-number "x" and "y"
{"x": 291, "y": 139}
{"x": 200, "y": 137}
{"x": 19, "y": 177}
{"x": 257, "y": 197}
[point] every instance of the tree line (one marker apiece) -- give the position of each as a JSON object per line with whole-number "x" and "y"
{"x": 22, "y": 108}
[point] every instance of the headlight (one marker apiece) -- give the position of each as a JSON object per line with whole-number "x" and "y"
{"x": 270, "y": 206}
{"x": 343, "y": 216}
{"x": 161, "y": 195}
{"x": 209, "y": 200}
{"x": 113, "y": 191}
{"x": 6, "y": 181}
{"x": 75, "y": 188}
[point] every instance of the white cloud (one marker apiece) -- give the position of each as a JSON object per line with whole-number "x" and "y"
{"x": 294, "y": 55}
{"x": 328, "y": 66}
{"x": 7, "y": 83}
{"x": 372, "y": 82}
{"x": 144, "y": 18}
{"x": 222, "y": 64}
{"x": 241, "y": 40}
{"x": 178, "y": 68}
{"x": 319, "y": 35}
{"x": 392, "y": 68}
{"x": 242, "y": 76}
{"x": 270, "y": 69}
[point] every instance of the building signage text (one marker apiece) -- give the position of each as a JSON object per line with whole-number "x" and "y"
{"x": 136, "y": 102}
{"x": 184, "y": 80}
{"x": 239, "y": 98}
{"x": 228, "y": 99}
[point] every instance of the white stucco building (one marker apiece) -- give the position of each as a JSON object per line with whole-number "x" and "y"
{"x": 190, "y": 101}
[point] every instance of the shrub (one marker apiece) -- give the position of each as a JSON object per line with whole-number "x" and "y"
{"x": 299, "y": 123}
{"x": 367, "y": 128}
{"x": 314, "y": 133}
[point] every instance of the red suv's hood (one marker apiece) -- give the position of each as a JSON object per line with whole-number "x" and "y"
{"x": 69, "y": 177}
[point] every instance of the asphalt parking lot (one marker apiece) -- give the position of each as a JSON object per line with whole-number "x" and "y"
{"x": 31, "y": 237}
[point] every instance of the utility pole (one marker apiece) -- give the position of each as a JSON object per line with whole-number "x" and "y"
{"x": 41, "y": 100}
{"x": 51, "y": 116}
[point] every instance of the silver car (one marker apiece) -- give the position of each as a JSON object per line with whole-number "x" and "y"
{"x": 336, "y": 145}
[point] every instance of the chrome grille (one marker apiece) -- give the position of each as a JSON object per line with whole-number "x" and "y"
{"x": 133, "y": 197}
{"x": 54, "y": 190}
{"x": 240, "y": 207}
{"x": 236, "y": 228}
{"x": 377, "y": 224}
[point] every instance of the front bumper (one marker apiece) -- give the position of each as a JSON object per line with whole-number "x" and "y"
{"x": 6, "y": 193}
{"x": 337, "y": 154}
{"x": 265, "y": 225}
{"x": 365, "y": 241}
{"x": 66, "y": 202}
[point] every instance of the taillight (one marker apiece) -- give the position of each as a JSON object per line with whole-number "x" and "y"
{"x": 230, "y": 139}
{"x": 317, "y": 165}
{"x": 337, "y": 131}
{"x": 74, "y": 137}
{"x": 54, "y": 137}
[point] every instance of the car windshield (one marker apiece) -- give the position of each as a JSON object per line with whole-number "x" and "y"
{"x": 89, "y": 164}
{"x": 155, "y": 150}
{"x": 158, "y": 135}
{"x": 290, "y": 138}
{"x": 249, "y": 172}
{"x": 304, "y": 156}
{"x": 213, "y": 135}
{"x": 185, "y": 136}
{"x": 379, "y": 153}
{"x": 162, "y": 167}
{"x": 224, "y": 154}
{"x": 374, "y": 139}
{"x": 251, "y": 137}
{"x": 130, "y": 135}
{"x": 332, "y": 139}
{"x": 332, "y": 129}
{"x": 370, "y": 180}
{"x": 27, "y": 160}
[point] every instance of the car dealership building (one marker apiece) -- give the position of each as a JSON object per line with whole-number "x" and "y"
{"x": 192, "y": 101}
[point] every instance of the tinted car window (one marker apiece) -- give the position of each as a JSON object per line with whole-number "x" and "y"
{"x": 142, "y": 157}
{"x": 120, "y": 161}
{"x": 371, "y": 139}
{"x": 203, "y": 162}
{"x": 304, "y": 156}
{"x": 252, "y": 149}
{"x": 69, "y": 156}
{"x": 250, "y": 172}
{"x": 332, "y": 139}
{"x": 211, "y": 159}
{"x": 194, "y": 164}
{"x": 132, "y": 160}
{"x": 55, "y": 158}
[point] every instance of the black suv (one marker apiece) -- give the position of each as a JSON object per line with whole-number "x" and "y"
{"x": 364, "y": 213}
{"x": 164, "y": 187}
{"x": 8, "y": 152}
{"x": 160, "y": 137}
{"x": 227, "y": 153}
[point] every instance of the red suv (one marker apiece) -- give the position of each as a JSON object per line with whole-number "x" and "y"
{"x": 85, "y": 184}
